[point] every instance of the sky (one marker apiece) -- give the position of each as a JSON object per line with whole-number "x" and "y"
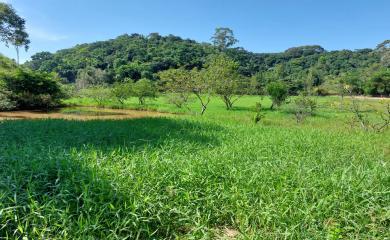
{"x": 259, "y": 25}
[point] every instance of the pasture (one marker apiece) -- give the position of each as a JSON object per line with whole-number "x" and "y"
{"x": 185, "y": 176}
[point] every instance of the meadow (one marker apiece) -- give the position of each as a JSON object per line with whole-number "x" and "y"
{"x": 185, "y": 176}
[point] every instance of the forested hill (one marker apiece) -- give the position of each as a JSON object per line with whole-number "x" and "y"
{"x": 136, "y": 56}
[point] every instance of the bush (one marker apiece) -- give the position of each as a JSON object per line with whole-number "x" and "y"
{"x": 31, "y": 89}
{"x": 278, "y": 92}
{"x": 5, "y": 102}
{"x": 379, "y": 84}
{"x": 304, "y": 106}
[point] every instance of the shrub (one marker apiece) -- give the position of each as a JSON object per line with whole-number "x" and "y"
{"x": 32, "y": 89}
{"x": 278, "y": 92}
{"x": 259, "y": 113}
{"x": 304, "y": 106}
{"x": 379, "y": 84}
{"x": 5, "y": 102}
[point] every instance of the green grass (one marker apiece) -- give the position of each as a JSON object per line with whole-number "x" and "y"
{"x": 191, "y": 177}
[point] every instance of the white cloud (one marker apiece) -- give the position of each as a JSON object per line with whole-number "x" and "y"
{"x": 41, "y": 34}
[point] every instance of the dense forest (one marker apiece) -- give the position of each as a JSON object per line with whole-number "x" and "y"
{"x": 136, "y": 56}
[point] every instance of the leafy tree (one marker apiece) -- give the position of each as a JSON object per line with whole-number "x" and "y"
{"x": 379, "y": 83}
{"x": 12, "y": 29}
{"x": 257, "y": 84}
{"x": 278, "y": 92}
{"x": 384, "y": 49}
{"x": 31, "y": 89}
{"x": 201, "y": 87}
{"x": 91, "y": 76}
{"x": 122, "y": 91}
{"x": 177, "y": 82}
{"x": 98, "y": 93}
{"x": 354, "y": 82}
{"x": 143, "y": 89}
{"x": 222, "y": 72}
{"x": 303, "y": 106}
{"x": 223, "y": 38}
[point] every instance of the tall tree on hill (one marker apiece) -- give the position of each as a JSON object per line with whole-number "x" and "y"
{"x": 223, "y": 38}
{"x": 12, "y": 29}
{"x": 384, "y": 49}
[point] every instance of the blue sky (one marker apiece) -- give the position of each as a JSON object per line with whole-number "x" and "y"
{"x": 260, "y": 26}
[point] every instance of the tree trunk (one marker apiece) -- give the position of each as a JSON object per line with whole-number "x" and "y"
{"x": 17, "y": 54}
{"x": 228, "y": 102}
{"x": 203, "y": 109}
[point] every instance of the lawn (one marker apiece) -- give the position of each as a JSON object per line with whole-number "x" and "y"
{"x": 191, "y": 177}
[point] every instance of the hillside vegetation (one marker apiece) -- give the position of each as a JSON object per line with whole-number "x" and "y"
{"x": 136, "y": 56}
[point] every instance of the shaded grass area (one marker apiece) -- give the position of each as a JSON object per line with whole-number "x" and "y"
{"x": 189, "y": 177}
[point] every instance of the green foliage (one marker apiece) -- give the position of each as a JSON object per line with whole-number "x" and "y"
{"x": 31, "y": 89}
{"x": 98, "y": 93}
{"x": 259, "y": 113}
{"x": 303, "y": 106}
{"x": 5, "y": 100}
{"x": 185, "y": 177}
{"x": 122, "y": 91}
{"x": 278, "y": 92}
{"x": 224, "y": 78}
{"x": 136, "y": 56}
{"x": 223, "y": 38}
{"x": 143, "y": 89}
{"x": 379, "y": 83}
{"x": 178, "y": 83}
{"x": 90, "y": 77}
{"x": 12, "y": 28}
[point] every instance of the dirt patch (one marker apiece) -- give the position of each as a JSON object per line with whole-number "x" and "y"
{"x": 227, "y": 233}
{"x": 80, "y": 113}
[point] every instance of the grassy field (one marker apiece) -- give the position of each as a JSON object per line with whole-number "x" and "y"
{"x": 196, "y": 177}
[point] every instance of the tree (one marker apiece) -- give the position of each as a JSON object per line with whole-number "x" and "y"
{"x": 223, "y": 38}
{"x": 12, "y": 29}
{"x": 177, "y": 82}
{"x": 201, "y": 87}
{"x": 91, "y": 76}
{"x": 379, "y": 83}
{"x": 303, "y": 106}
{"x": 122, "y": 91}
{"x": 222, "y": 73}
{"x": 98, "y": 93}
{"x": 354, "y": 82}
{"x": 278, "y": 92}
{"x": 31, "y": 89}
{"x": 143, "y": 89}
{"x": 384, "y": 50}
{"x": 257, "y": 84}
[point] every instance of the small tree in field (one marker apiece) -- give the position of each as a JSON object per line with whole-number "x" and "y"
{"x": 278, "y": 92}
{"x": 303, "y": 106}
{"x": 143, "y": 89}
{"x": 201, "y": 87}
{"x": 98, "y": 94}
{"x": 227, "y": 83}
{"x": 176, "y": 82}
{"x": 122, "y": 91}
